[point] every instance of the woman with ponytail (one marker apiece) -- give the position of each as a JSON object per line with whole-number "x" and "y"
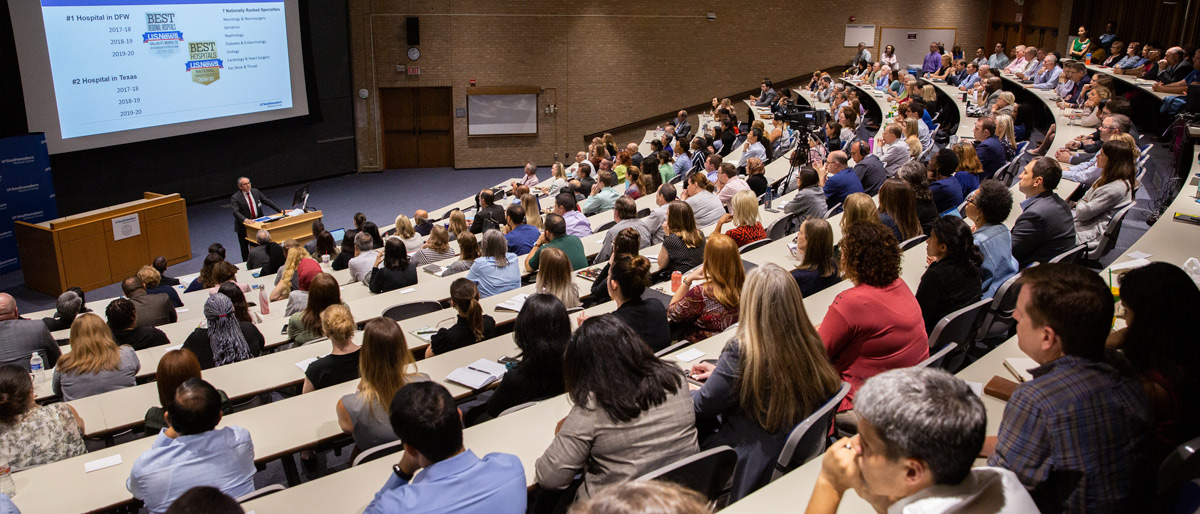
{"x": 472, "y": 325}
{"x": 953, "y": 280}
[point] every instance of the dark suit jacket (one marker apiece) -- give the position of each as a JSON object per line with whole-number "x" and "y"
{"x": 991, "y": 155}
{"x": 152, "y": 309}
{"x": 241, "y": 210}
{"x": 258, "y": 257}
{"x": 1043, "y": 230}
{"x": 19, "y": 338}
{"x": 683, "y": 129}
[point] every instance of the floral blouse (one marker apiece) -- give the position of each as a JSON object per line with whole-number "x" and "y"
{"x": 43, "y": 435}
{"x": 747, "y": 234}
{"x": 703, "y": 314}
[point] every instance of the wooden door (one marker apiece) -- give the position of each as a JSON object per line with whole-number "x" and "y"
{"x": 418, "y": 130}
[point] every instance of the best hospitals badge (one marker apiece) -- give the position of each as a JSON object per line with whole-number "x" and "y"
{"x": 161, "y": 36}
{"x": 204, "y": 64}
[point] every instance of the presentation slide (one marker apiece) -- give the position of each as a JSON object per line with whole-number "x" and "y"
{"x": 143, "y": 69}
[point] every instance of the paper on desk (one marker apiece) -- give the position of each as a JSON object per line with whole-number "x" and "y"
{"x": 176, "y": 347}
{"x": 689, "y": 356}
{"x": 303, "y": 365}
{"x": 181, "y": 309}
{"x": 976, "y": 388}
{"x": 1135, "y": 263}
{"x": 1138, "y": 255}
{"x": 407, "y": 290}
{"x": 106, "y": 462}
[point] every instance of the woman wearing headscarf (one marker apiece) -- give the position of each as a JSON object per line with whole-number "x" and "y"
{"x": 222, "y": 339}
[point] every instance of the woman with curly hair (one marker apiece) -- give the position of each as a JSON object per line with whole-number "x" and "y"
{"x": 893, "y": 335}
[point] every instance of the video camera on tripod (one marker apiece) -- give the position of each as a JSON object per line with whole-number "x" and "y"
{"x": 805, "y": 120}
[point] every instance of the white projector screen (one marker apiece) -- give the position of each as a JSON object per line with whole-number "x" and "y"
{"x": 494, "y": 115}
{"x": 99, "y": 73}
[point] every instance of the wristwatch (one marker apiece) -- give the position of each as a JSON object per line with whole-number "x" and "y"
{"x": 400, "y": 473}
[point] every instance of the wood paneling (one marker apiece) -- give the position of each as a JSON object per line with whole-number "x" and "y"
{"x": 1150, "y": 21}
{"x": 87, "y": 265}
{"x": 418, "y": 127}
{"x": 168, "y": 237}
{"x": 1033, "y": 22}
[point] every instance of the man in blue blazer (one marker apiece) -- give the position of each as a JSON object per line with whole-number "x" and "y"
{"x": 989, "y": 148}
{"x": 1045, "y": 227}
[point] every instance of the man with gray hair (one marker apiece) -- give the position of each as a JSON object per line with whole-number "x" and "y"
{"x": 1088, "y": 171}
{"x": 260, "y": 255}
{"x": 20, "y": 338}
{"x": 66, "y": 308}
{"x": 364, "y": 256}
{"x": 919, "y": 432}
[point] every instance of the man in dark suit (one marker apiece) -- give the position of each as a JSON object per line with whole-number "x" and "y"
{"x": 160, "y": 264}
{"x": 989, "y": 148}
{"x": 1045, "y": 228}
{"x": 152, "y": 309}
{"x": 870, "y": 170}
{"x": 19, "y": 338}
{"x": 261, "y": 255}
{"x": 247, "y": 204}
{"x": 683, "y": 129}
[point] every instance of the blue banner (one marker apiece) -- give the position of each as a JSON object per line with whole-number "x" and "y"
{"x": 172, "y": 35}
{"x": 206, "y": 63}
{"x": 26, "y": 191}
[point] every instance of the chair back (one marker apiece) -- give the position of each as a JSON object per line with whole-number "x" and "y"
{"x": 709, "y": 472}
{"x": 998, "y": 318}
{"x": 1108, "y": 239}
{"x": 938, "y": 360}
{"x": 643, "y": 213}
{"x": 259, "y": 493}
{"x": 781, "y": 227}
{"x": 376, "y": 452}
{"x": 605, "y": 226}
{"x": 833, "y": 210}
{"x": 958, "y": 327}
{"x": 757, "y": 244}
{"x": 1071, "y": 256}
{"x": 810, "y": 438}
{"x": 403, "y": 311}
{"x": 912, "y": 241}
{"x": 516, "y": 408}
{"x": 1181, "y": 465}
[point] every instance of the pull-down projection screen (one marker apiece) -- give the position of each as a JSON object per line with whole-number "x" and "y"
{"x": 106, "y": 72}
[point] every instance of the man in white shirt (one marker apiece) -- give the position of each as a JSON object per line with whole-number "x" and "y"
{"x": 753, "y": 148}
{"x": 364, "y": 256}
{"x": 1018, "y": 62}
{"x": 919, "y": 431}
{"x": 1031, "y": 65}
{"x": 892, "y": 150}
{"x": 580, "y": 162}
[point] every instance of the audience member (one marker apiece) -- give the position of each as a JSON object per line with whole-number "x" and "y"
{"x": 860, "y": 208}
{"x": 837, "y": 180}
{"x": 729, "y": 183}
{"x": 174, "y": 368}
{"x": 683, "y": 247}
{"x": 454, "y": 480}
{"x": 122, "y": 321}
{"x": 304, "y": 270}
{"x": 1080, "y": 430}
{"x": 1046, "y": 226}
{"x": 520, "y": 235}
{"x": 953, "y": 278}
{"x": 436, "y": 248}
{"x": 471, "y": 325}
{"x": 22, "y": 337}
{"x": 66, "y": 308}
{"x": 772, "y": 375}
{"x": 988, "y": 208}
{"x": 989, "y": 149}
{"x": 365, "y": 257}
{"x": 625, "y": 216}
{"x": 241, "y": 308}
{"x": 628, "y": 280}
{"x": 893, "y": 336}
{"x": 305, "y": 326}
{"x": 699, "y": 195}
{"x": 556, "y": 236}
{"x": 160, "y": 264}
{"x": 577, "y": 223}
{"x": 818, "y": 267}
{"x": 704, "y": 310}
{"x": 152, "y": 309}
{"x": 1114, "y": 188}
{"x": 541, "y": 332}
{"x": 891, "y": 149}
{"x": 34, "y": 434}
{"x": 223, "y": 339}
{"x": 746, "y": 227}
{"x": 919, "y": 431}
{"x": 947, "y": 191}
{"x": 555, "y": 277}
{"x": 917, "y": 176}
{"x": 603, "y": 195}
{"x": 809, "y": 200}
{"x": 468, "y": 251}
{"x": 341, "y": 365}
{"x": 898, "y": 209}
{"x": 95, "y": 363}
{"x": 627, "y": 241}
{"x": 496, "y": 270}
{"x": 969, "y": 167}
{"x": 392, "y": 269}
{"x": 489, "y": 215}
{"x": 383, "y": 366}
{"x": 630, "y": 416}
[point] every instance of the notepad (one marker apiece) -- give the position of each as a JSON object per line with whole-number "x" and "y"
{"x": 513, "y": 304}
{"x": 407, "y": 290}
{"x": 689, "y": 355}
{"x": 303, "y": 365}
{"x": 478, "y": 374}
{"x": 1135, "y": 263}
{"x": 425, "y": 333}
{"x": 1139, "y": 255}
{"x": 1020, "y": 366}
{"x": 176, "y": 347}
{"x": 97, "y": 464}
{"x": 976, "y": 388}
{"x": 181, "y": 310}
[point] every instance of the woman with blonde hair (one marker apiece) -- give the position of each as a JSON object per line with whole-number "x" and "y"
{"x": 95, "y": 364}
{"x": 970, "y": 169}
{"x": 769, "y": 377}
{"x": 289, "y": 275}
{"x": 1006, "y": 104}
{"x": 533, "y": 211}
{"x": 554, "y": 277}
{"x": 1006, "y": 134}
{"x": 1095, "y": 97}
{"x": 912, "y": 136}
{"x": 407, "y": 234}
{"x": 468, "y": 251}
{"x": 746, "y": 227}
{"x": 558, "y": 179}
{"x": 458, "y": 224}
{"x": 610, "y": 144}
{"x": 341, "y": 365}
{"x": 436, "y": 248}
{"x": 471, "y": 325}
{"x": 707, "y": 309}
{"x": 383, "y": 364}
{"x": 859, "y": 207}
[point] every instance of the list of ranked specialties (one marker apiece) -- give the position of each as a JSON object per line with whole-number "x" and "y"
{"x": 122, "y": 67}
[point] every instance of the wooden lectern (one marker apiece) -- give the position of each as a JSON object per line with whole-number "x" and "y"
{"x": 297, "y": 227}
{"x": 101, "y": 247}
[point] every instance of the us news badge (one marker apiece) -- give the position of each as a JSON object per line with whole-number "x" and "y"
{"x": 204, "y": 64}
{"x": 161, "y": 36}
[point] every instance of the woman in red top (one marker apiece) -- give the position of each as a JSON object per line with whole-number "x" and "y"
{"x": 707, "y": 309}
{"x": 746, "y": 227}
{"x": 876, "y": 325}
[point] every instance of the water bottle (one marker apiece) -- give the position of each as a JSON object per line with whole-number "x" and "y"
{"x": 1087, "y": 58}
{"x": 37, "y": 369}
{"x": 7, "y": 486}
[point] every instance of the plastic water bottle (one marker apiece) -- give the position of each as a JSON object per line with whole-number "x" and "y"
{"x": 1087, "y": 58}
{"x": 7, "y": 486}
{"x": 37, "y": 368}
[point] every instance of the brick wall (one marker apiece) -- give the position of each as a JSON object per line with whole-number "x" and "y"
{"x": 608, "y": 63}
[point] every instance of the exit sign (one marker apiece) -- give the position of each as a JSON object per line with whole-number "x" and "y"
{"x": 414, "y": 70}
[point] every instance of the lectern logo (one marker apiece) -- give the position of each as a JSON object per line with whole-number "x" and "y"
{"x": 204, "y": 64}
{"x": 161, "y": 36}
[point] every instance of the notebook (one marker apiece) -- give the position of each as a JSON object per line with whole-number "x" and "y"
{"x": 434, "y": 269}
{"x": 478, "y": 374}
{"x": 513, "y": 304}
{"x": 1020, "y": 366}
{"x": 425, "y": 333}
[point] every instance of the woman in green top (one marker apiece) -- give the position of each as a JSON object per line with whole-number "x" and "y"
{"x": 1079, "y": 47}
{"x": 665, "y": 169}
{"x": 305, "y": 326}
